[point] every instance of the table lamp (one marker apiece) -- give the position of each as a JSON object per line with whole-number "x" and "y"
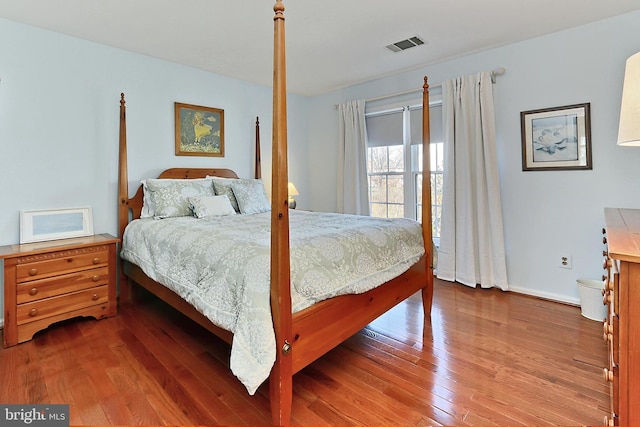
{"x": 293, "y": 191}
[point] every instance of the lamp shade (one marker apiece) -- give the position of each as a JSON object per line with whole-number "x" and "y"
{"x": 629, "y": 129}
{"x": 293, "y": 191}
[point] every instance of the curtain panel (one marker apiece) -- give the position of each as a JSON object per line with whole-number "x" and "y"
{"x": 472, "y": 238}
{"x": 353, "y": 187}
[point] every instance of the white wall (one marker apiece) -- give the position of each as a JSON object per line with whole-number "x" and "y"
{"x": 546, "y": 214}
{"x": 59, "y": 115}
{"x": 323, "y": 152}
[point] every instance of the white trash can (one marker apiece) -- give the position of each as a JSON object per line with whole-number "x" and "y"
{"x": 591, "y": 299}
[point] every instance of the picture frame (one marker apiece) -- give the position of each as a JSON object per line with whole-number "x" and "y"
{"x": 199, "y": 130}
{"x": 557, "y": 138}
{"x": 43, "y": 225}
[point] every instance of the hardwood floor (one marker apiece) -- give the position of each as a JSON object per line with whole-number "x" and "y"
{"x": 486, "y": 358}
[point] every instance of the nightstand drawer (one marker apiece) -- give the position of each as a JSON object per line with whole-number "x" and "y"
{"x": 55, "y": 263}
{"x": 32, "y": 311}
{"x": 58, "y": 285}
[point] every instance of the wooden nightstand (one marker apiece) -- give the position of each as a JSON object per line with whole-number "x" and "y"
{"x": 51, "y": 281}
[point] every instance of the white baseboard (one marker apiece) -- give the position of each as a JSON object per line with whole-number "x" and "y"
{"x": 546, "y": 295}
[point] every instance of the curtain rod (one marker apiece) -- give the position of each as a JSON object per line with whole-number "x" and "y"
{"x": 497, "y": 72}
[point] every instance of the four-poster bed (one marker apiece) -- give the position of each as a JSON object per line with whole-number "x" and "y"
{"x": 303, "y": 336}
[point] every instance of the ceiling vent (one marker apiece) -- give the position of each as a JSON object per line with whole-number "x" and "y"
{"x": 405, "y": 44}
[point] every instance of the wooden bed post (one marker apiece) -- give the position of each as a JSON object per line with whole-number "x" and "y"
{"x": 257, "y": 173}
{"x": 123, "y": 196}
{"x": 280, "y": 380}
{"x": 427, "y": 232}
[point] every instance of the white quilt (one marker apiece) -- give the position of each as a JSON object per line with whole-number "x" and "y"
{"x": 221, "y": 266}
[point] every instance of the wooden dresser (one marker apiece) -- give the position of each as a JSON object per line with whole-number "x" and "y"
{"x": 622, "y": 326}
{"x": 57, "y": 280}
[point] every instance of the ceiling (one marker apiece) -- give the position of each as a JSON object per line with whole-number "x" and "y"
{"x": 330, "y": 43}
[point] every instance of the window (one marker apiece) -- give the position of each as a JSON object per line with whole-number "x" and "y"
{"x": 394, "y": 164}
{"x": 386, "y": 165}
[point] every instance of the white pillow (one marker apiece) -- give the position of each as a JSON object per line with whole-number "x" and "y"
{"x": 205, "y": 206}
{"x": 169, "y": 196}
{"x": 251, "y": 196}
{"x": 223, "y": 186}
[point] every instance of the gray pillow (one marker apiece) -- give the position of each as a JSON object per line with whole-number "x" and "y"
{"x": 169, "y": 197}
{"x": 251, "y": 196}
{"x": 205, "y": 206}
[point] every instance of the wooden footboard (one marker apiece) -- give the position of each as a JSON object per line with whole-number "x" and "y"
{"x": 327, "y": 324}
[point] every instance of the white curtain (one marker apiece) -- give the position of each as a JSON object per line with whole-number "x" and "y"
{"x": 353, "y": 188}
{"x": 471, "y": 238}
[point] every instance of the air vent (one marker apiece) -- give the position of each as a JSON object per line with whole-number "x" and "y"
{"x": 405, "y": 44}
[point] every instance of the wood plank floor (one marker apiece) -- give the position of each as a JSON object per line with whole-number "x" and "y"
{"x": 486, "y": 358}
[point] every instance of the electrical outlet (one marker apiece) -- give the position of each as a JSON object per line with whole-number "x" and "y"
{"x": 565, "y": 261}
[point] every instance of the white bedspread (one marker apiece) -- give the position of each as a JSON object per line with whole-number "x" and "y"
{"x": 221, "y": 266}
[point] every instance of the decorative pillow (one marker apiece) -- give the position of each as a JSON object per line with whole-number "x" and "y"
{"x": 148, "y": 207}
{"x": 148, "y": 210}
{"x": 169, "y": 196}
{"x": 251, "y": 196}
{"x": 205, "y": 206}
{"x": 223, "y": 186}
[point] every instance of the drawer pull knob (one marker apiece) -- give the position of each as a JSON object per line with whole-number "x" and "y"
{"x": 33, "y": 312}
{"x": 607, "y": 330}
{"x": 33, "y": 291}
{"x": 33, "y": 272}
{"x": 95, "y": 278}
{"x": 96, "y": 260}
{"x": 608, "y": 375}
{"x": 95, "y": 297}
